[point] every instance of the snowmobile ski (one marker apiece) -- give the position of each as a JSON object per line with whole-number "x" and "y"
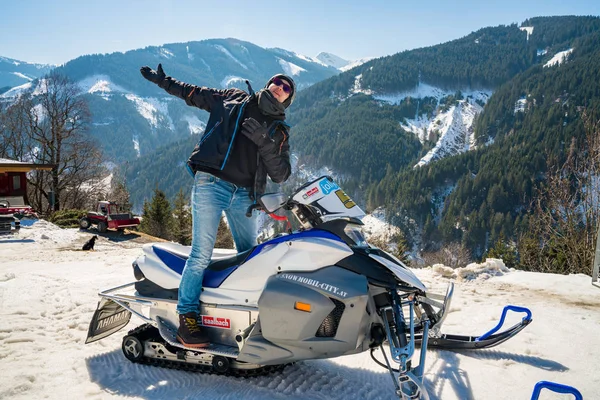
{"x": 487, "y": 340}
{"x": 555, "y": 387}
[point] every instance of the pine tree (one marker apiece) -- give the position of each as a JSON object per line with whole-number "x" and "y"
{"x": 182, "y": 227}
{"x": 224, "y": 238}
{"x": 120, "y": 194}
{"x": 158, "y": 218}
{"x": 505, "y": 251}
{"x": 401, "y": 251}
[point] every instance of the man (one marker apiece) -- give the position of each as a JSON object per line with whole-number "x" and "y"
{"x": 245, "y": 140}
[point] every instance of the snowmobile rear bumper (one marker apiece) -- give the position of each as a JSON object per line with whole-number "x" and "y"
{"x": 108, "y": 318}
{"x": 114, "y": 312}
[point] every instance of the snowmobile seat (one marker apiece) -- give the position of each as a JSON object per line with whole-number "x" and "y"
{"x": 223, "y": 263}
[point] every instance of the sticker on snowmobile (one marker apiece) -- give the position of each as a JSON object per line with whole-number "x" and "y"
{"x": 108, "y": 318}
{"x": 328, "y": 186}
{"x": 344, "y": 198}
{"x": 215, "y": 322}
{"x": 312, "y": 191}
{"x": 314, "y": 283}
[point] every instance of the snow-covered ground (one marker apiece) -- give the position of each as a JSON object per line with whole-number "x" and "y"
{"x": 455, "y": 129}
{"x": 558, "y": 58}
{"x": 452, "y": 129}
{"x": 99, "y": 83}
{"x": 154, "y": 110}
{"x": 48, "y": 293}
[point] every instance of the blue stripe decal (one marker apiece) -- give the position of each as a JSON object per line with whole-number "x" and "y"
{"x": 312, "y": 233}
{"x": 173, "y": 261}
{"x": 212, "y": 279}
{"x": 237, "y": 124}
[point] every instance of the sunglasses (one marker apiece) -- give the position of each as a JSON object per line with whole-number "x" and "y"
{"x": 279, "y": 82}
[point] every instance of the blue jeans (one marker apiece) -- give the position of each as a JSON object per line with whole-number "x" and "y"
{"x": 211, "y": 197}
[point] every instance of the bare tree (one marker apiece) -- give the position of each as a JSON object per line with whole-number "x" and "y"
{"x": 57, "y": 123}
{"x": 567, "y": 211}
{"x": 454, "y": 255}
{"x": 14, "y": 142}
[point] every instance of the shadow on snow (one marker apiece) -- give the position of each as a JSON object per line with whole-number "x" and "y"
{"x": 315, "y": 379}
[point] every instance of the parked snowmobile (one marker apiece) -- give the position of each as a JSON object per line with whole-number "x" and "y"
{"x": 319, "y": 292}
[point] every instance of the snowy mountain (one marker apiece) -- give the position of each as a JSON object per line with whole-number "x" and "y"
{"x": 15, "y": 73}
{"x": 49, "y": 292}
{"x": 450, "y": 127}
{"x": 475, "y": 66}
{"x": 355, "y": 63}
{"x": 332, "y": 60}
{"x": 132, "y": 117}
{"x": 338, "y": 62}
{"x": 507, "y": 92}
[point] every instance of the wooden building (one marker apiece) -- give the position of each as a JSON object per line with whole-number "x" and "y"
{"x": 13, "y": 182}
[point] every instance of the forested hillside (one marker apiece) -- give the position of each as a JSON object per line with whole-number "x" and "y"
{"x": 479, "y": 196}
{"x": 475, "y": 197}
{"x": 531, "y": 120}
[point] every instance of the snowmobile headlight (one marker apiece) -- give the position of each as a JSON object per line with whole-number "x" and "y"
{"x": 355, "y": 233}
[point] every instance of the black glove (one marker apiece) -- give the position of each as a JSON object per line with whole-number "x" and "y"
{"x": 153, "y": 76}
{"x": 256, "y": 132}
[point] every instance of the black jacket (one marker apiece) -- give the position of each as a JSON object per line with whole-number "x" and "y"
{"x": 228, "y": 109}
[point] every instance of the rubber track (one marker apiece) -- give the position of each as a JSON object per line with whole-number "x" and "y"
{"x": 143, "y": 332}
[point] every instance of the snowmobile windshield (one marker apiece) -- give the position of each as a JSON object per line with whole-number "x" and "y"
{"x": 354, "y": 232}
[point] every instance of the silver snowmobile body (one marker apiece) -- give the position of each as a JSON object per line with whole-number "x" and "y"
{"x": 320, "y": 292}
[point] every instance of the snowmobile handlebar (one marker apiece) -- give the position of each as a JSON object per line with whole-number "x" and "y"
{"x": 261, "y": 208}
{"x": 253, "y": 207}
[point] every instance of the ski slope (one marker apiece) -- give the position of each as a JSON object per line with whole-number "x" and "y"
{"x": 48, "y": 293}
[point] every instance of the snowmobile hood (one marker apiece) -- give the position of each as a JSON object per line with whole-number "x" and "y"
{"x": 402, "y": 273}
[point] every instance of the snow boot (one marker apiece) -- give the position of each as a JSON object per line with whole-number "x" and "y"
{"x": 189, "y": 333}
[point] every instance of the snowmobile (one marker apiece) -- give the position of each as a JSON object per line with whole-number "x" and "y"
{"x": 319, "y": 292}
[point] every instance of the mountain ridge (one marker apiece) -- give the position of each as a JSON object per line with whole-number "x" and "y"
{"x": 132, "y": 117}
{"x": 15, "y": 72}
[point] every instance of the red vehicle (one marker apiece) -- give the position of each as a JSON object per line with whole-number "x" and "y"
{"x": 107, "y": 216}
{"x": 12, "y": 210}
{"x": 13, "y": 192}
{"x": 16, "y": 205}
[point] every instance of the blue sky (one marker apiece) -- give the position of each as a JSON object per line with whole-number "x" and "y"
{"x": 56, "y": 31}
